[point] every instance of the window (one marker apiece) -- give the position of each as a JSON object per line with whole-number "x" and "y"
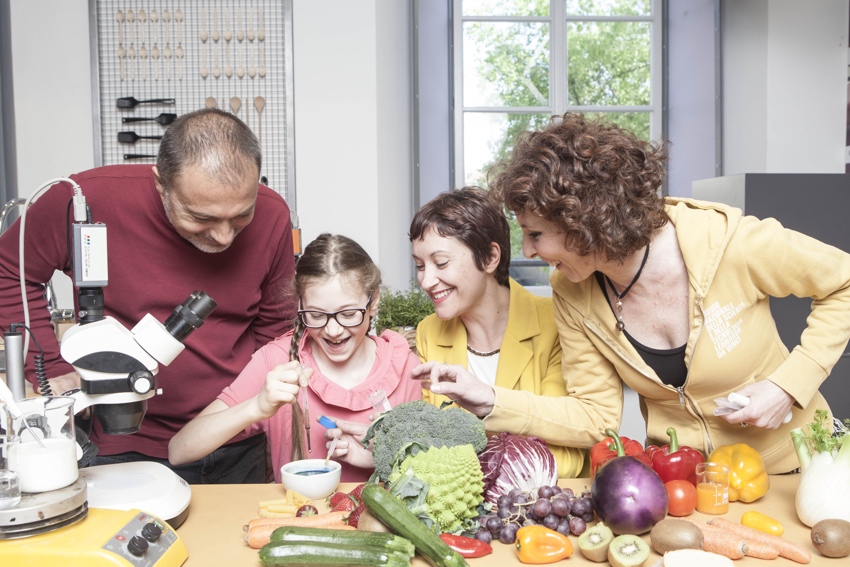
{"x": 518, "y": 62}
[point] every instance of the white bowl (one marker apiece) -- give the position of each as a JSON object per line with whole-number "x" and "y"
{"x": 315, "y": 485}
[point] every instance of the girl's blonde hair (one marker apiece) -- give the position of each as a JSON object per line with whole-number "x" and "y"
{"x": 327, "y": 256}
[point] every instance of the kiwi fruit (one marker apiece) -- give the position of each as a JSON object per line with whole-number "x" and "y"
{"x": 594, "y": 542}
{"x": 832, "y": 538}
{"x": 628, "y": 550}
{"x": 671, "y": 535}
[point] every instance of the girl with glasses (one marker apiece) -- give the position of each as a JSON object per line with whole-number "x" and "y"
{"x": 329, "y": 364}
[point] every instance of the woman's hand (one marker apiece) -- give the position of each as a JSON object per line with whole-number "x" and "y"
{"x": 769, "y": 404}
{"x": 458, "y": 384}
{"x": 281, "y": 387}
{"x": 349, "y": 448}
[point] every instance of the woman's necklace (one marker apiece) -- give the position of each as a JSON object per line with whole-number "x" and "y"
{"x": 478, "y": 353}
{"x": 620, "y": 296}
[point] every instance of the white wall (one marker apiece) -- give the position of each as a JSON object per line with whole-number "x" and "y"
{"x": 52, "y": 90}
{"x": 784, "y": 86}
{"x": 353, "y": 126}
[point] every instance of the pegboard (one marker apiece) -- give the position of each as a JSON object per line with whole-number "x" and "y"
{"x": 236, "y": 55}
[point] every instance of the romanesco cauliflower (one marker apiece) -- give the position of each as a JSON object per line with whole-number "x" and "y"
{"x": 452, "y": 481}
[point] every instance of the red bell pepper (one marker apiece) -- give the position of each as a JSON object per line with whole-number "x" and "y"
{"x": 606, "y": 450}
{"x": 466, "y": 546}
{"x": 674, "y": 461}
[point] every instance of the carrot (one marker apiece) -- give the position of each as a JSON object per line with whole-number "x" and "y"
{"x": 787, "y": 549}
{"x": 260, "y": 529}
{"x": 719, "y": 541}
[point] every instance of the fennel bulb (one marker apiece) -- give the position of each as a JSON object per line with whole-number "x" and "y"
{"x": 824, "y": 489}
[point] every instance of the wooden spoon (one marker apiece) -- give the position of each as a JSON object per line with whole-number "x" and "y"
{"x": 261, "y": 68}
{"x": 215, "y": 35}
{"x": 211, "y": 102}
{"x": 204, "y": 69}
{"x": 235, "y": 104}
{"x": 216, "y": 68}
{"x": 240, "y": 69}
{"x": 260, "y": 104}
{"x": 228, "y": 68}
{"x": 228, "y": 35}
{"x": 166, "y": 21}
{"x": 121, "y": 52}
{"x": 119, "y": 16}
{"x": 131, "y": 52}
{"x": 261, "y": 32}
{"x": 204, "y": 35}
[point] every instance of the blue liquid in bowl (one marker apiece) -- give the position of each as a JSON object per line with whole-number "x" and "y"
{"x": 312, "y": 472}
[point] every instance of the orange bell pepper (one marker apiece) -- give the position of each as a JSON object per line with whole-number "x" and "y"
{"x": 748, "y": 479}
{"x": 538, "y": 544}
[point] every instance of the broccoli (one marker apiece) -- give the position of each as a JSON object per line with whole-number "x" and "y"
{"x": 423, "y": 424}
{"x": 442, "y": 486}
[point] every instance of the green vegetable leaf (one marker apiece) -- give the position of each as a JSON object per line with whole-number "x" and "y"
{"x": 819, "y": 434}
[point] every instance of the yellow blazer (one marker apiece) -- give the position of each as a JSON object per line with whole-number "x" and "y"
{"x": 530, "y": 360}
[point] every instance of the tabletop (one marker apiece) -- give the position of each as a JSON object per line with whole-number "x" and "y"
{"x": 213, "y": 532}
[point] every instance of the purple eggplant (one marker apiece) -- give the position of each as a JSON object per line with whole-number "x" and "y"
{"x": 628, "y": 496}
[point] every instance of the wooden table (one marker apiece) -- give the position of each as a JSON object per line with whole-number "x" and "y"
{"x": 213, "y": 531}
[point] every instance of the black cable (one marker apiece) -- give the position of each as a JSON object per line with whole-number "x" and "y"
{"x": 68, "y": 235}
{"x": 38, "y": 363}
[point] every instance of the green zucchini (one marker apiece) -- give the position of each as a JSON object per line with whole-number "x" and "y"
{"x": 391, "y": 542}
{"x": 396, "y": 516}
{"x": 307, "y": 554}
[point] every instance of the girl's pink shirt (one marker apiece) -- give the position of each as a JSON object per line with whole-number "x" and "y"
{"x": 390, "y": 372}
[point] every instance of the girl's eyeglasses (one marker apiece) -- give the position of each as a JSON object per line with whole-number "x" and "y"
{"x": 345, "y": 317}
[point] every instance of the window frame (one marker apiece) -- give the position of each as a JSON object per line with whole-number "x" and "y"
{"x": 558, "y": 79}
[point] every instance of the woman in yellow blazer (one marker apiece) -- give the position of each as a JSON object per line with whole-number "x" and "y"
{"x": 485, "y": 325}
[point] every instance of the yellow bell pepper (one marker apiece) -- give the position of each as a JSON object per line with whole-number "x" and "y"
{"x": 748, "y": 479}
{"x": 762, "y": 523}
{"x": 537, "y": 544}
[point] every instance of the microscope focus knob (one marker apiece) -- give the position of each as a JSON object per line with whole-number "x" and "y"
{"x": 141, "y": 382}
{"x": 151, "y": 532}
{"x": 137, "y": 546}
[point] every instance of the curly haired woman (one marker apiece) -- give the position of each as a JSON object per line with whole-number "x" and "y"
{"x": 669, "y": 296}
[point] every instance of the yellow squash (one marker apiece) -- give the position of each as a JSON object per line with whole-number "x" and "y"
{"x": 762, "y": 523}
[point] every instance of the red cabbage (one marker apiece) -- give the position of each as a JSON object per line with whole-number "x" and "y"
{"x": 515, "y": 461}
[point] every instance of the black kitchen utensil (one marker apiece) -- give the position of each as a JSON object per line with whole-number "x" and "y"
{"x": 164, "y": 119}
{"x": 138, "y": 156}
{"x": 132, "y": 137}
{"x": 130, "y": 102}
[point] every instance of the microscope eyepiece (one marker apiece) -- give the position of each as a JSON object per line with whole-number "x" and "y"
{"x": 189, "y": 315}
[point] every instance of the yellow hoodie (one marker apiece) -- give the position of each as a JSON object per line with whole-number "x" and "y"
{"x": 735, "y": 263}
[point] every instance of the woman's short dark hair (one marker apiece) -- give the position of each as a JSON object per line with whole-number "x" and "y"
{"x": 598, "y": 182}
{"x": 470, "y": 216}
{"x": 217, "y": 141}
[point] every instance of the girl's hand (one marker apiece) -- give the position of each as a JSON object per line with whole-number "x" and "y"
{"x": 349, "y": 448}
{"x": 457, "y": 384}
{"x": 281, "y": 387}
{"x": 769, "y": 404}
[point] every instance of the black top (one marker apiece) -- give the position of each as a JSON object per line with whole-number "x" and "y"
{"x": 669, "y": 364}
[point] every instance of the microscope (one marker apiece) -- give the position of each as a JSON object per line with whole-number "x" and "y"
{"x": 117, "y": 366}
{"x": 118, "y": 370}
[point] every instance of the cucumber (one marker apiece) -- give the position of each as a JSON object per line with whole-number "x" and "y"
{"x": 306, "y": 554}
{"x": 391, "y": 542}
{"x": 396, "y": 516}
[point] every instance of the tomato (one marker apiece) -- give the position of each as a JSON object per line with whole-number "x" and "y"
{"x": 683, "y": 497}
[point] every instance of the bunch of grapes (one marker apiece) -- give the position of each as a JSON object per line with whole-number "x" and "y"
{"x": 558, "y": 509}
